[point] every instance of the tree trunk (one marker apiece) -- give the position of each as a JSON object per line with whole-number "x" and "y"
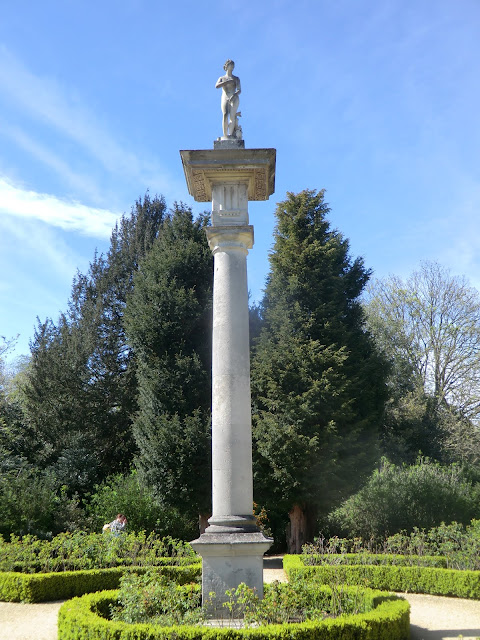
{"x": 203, "y": 522}
{"x": 301, "y": 527}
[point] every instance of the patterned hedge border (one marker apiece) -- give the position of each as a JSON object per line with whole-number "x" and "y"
{"x": 81, "y": 619}
{"x": 45, "y": 587}
{"x": 434, "y": 581}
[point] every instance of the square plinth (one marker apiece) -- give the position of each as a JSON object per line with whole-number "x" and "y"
{"x": 228, "y": 559}
{"x": 206, "y": 168}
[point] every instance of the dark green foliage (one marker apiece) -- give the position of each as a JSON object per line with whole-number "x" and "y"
{"x": 397, "y": 498}
{"x": 126, "y": 494}
{"x": 413, "y": 425}
{"x": 80, "y": 390}
{"x": 168, "y": 320}
{"x": 86, "y": 617}
{"x": 27, "y": 502}
{"x": 32, "y": 502}
{"x": 317, "y": 379}
{"x": 18, "y": 444}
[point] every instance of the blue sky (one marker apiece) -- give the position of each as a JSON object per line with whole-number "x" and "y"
{"x": 377, "y": 101}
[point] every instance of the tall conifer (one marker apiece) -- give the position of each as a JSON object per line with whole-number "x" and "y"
{"x": 317, "y": 379}
{"x": 168, "y": 321}
{"x": 79, "y": 391}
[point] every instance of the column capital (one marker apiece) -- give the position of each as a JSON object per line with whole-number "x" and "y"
{"x": 231, "y": 237}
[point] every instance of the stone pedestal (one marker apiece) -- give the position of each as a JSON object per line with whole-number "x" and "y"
{"x": 232, "y": 546}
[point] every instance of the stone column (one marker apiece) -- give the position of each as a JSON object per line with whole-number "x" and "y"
{"x": 232, "y": 482}
{"x": 232, "y": 546}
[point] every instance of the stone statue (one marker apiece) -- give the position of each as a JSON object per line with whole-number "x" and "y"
{"x": 231, "y": 89}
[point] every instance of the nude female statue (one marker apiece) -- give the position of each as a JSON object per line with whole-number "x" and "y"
{"x": 230, "y": 100}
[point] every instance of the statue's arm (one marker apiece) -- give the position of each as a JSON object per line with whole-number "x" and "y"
{"x": 219, "y": 83}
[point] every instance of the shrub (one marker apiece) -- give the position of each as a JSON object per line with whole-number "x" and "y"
{"x": 458, "y": 543}
{"x": 152, "y": 599}
{"x": 365, "y": 558}
{"x": 297, "y": 601}
{"x": 28, "y": 500}
{"x": 79, "y": 550}
{"x": 453, "y": 546}
{"x": 400, "y": 498}
{"x": 125, "y": 494}
{"x": 158, "y": 600}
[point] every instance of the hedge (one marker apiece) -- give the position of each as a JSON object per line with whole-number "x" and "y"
{"x": 365, "y": 558}
{"x": 84, "y": 619}
{"x": 80, "y": 551}
{"x": 27, "y": 566}
{"x": 434, "y": 581}
{"x": 44, "y": 587}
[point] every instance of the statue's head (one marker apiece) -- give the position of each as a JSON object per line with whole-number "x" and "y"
{"x": 229, "y": 63}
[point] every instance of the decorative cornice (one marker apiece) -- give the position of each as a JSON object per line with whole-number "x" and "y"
{"x": 253, "y": 167}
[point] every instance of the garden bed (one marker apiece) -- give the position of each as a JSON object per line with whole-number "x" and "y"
{"x": 46, "y": 587}
{"x": 87, "y": 617}
{"x": 413, "y": 579}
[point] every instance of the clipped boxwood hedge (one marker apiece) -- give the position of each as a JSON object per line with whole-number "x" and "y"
{"x": 44, "y": 587}
{"x": 431, "y": 580}
{"x": 84, "y": 619}
{"x": 375, "y": 559}
{"x": 28, "y": 566}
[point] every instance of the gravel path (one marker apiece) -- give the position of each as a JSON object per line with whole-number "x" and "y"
{"x": 432, "y": 617}
{"x": 29, "y": 621}
{"x": 439, "y": 618}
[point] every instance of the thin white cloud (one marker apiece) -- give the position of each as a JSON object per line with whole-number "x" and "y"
{"x": 37, "y": 266}
{"x": 69, "y": 216}
{"x": 35, "y": 250}
{"x": 46, "y": 100}
{"x": 81, "y": 183}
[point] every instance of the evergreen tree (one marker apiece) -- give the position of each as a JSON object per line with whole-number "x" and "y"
{"x": 168, "y": 320}
{"x": 317, "y": 379}
{"x": 79, "y": 392}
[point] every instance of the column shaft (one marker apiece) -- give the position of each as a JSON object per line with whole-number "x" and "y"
{"x": 232, "y": 485}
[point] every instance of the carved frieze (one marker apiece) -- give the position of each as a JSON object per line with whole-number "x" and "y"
{"x": 252, "y": 167}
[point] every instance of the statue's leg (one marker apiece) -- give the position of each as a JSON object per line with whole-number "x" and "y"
{"x": 233, "y": 114}
{"x": 233, "y": 124}
{"x": 225, "y": 124}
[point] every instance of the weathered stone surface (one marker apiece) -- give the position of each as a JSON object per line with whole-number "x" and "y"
{"x": 232, "y": 546}
{"x": 232, "y": 479}
{"x": 252, "y": 167}
{"x": 228, "y": 143}
{"x": 231, "y": 89}
{"x": 228, "y": 560}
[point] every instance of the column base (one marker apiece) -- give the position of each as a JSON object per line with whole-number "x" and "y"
{"x": 228, "y": 560}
